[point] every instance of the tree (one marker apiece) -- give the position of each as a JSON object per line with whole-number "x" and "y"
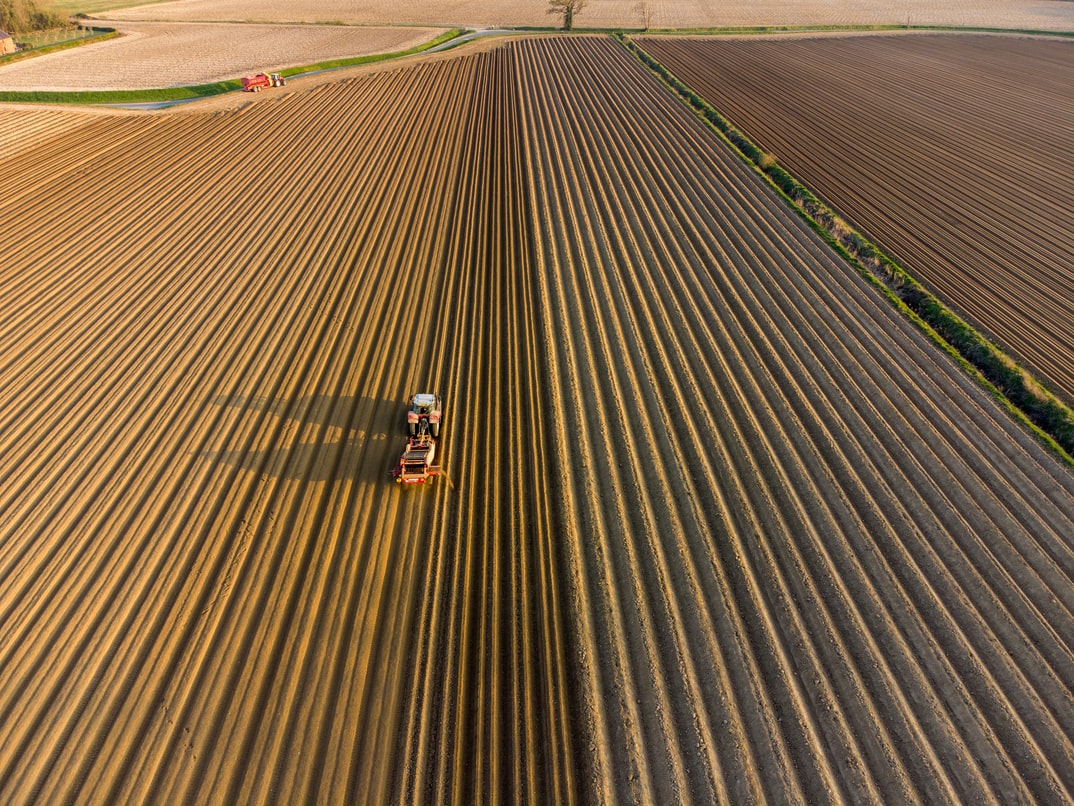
{"x": 23, "y": 16}
{"x": 646, "y": 12}
{"x": 568, "y": 8}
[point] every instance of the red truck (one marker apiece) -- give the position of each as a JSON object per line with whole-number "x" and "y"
{"x": 262, "y": 81}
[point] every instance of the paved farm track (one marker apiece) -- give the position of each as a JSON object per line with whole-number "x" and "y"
{"x": 952, "y": 152}
{"x": 716, "y": 523}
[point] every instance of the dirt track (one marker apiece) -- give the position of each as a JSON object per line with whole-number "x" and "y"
{"x": 952, "y": 152}
{"x": 717, "y": 523}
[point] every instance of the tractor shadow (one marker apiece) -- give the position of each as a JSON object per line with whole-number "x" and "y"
{"x": 311, "y": 438}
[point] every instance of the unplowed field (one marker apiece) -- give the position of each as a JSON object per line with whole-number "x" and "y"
{"x": 149, "y": 55}
{"x": 952, "y": 152}
{"x": 1052, "y": 15}
{"x": 716, "y": 522}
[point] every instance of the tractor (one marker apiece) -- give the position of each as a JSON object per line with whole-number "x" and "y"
{"x": 424, "y": 408}
{"x": 423, "y": 419}
{"x": 262, "y": 81}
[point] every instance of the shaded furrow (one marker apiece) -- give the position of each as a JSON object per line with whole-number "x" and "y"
{"x": 719, "y": 304}
{"x": 203, "y": 394}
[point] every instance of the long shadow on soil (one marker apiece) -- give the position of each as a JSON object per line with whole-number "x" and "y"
{"x": 312, "y": 438}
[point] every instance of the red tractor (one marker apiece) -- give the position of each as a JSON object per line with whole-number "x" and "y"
{"x": 424, "y": 407}
{"x": 423, "y": 419}
{"x": 262, "y": 81}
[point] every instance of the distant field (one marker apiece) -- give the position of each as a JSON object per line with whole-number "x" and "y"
{"x": 152, "y": 55}
{"x": 951, "y": 152}
{"x": 92, "y": 6}
{"x": 1051, "y": 14}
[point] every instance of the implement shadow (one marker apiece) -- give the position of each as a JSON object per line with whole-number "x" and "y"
{"x": 312, "y": 437}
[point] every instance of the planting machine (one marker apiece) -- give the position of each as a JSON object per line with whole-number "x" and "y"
{"x": 416, "y": 465}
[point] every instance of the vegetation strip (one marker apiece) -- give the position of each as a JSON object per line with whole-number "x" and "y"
{"x": 96, "y": 35}
{"x": 206, "y": 90}
{"x": 820, "y": 29}
{"x": 1011, "y": 384}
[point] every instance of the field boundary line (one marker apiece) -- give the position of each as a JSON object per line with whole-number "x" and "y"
{"x": 1025, "y": 397}
{"x": 742, "y": 30}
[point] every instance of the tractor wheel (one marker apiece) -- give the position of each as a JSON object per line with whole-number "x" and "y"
{"x": 412, "y": 429}
{"x": 434, "y": 429}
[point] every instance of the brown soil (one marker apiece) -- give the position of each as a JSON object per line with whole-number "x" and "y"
{"x": 952, "y": 152}
{"x": 717, "y": 523}
{"x": 1015, "y": 14}
{"x": 151, "y": 55}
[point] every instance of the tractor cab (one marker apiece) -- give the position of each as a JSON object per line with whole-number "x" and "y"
{"x": 424, "y": 409}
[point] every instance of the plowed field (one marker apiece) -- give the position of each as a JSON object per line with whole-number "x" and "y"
{"x": 716, "y": 523}
{"x": 952, "y": 152}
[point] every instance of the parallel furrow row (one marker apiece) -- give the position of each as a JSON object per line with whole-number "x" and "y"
{"x": 990, "y": 228}
{"x": 680, "y": 242}
{"x": 713, "y": 524}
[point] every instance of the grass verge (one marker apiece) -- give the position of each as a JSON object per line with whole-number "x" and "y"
{"x": 170, "y": 94}
{"x": 1014, "y": 387}
{"x": 818, "y": 29}
{"x": 76, "y": 40}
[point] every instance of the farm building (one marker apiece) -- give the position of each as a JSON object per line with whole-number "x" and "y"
{"x": 7, "y": 44}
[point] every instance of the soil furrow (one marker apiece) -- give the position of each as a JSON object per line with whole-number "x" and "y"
{"x": 904, "y": 123}
{"x": 714, "y": 523}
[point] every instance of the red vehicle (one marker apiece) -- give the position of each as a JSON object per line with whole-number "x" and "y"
{"x": 423, "y": 428}
{"x": 424, "y": 407}
{"x": 262, "y": 81}
{"x": 416, "y": 464}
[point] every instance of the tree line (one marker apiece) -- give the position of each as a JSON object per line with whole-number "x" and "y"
{"x": 24, "y": 16}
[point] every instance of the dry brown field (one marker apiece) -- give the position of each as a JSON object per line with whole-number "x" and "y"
{"x": 717, "y": 523}
{"x": 153, "y": 55}
{"x": 1057, "y": 15}
{"x": 951, "y": 152}
{"x": 201, "y": 41}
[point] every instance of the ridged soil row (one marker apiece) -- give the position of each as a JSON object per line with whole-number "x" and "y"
{"x": 836, "y": 577}
{"x": 104, "y": 478}
{"x": 487, "y": 716}
{"x": 715, "y": 524}
{"x": 25, "y": 127}
{"x": 208, "y": 578}
{"x": 979, "y": 211}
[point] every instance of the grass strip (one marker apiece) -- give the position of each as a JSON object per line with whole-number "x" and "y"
{"x": 1015, "y": 388}
{"x": 812, "y": 29}
{"x": 98, "y": 35}
{"x": 169, "y": 94}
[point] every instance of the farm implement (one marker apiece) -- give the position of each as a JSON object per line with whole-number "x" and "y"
{"x": 416, "y": 465}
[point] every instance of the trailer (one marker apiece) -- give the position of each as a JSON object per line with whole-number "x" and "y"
{"x": 416, "y": 464}
{"x": 262, "y": 81}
